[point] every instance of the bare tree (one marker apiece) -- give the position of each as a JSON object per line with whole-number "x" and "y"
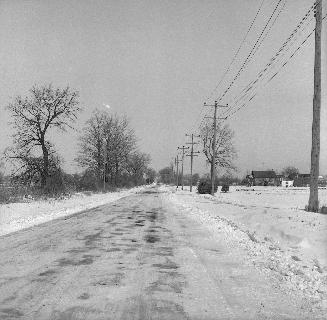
{"x": 151, "y": 175}
{"x": 138, "y": 167}
{"x": 29, "y": 168}
{"x": 166, "y": 175}
{"x": 225, "y": 151}
{"x": 91, "y": 154}
{"x": 120, "y": 145}
{"x": 290, "y": 172}
{"x": 33, "y": 117}
{"x": 106, "y": 145}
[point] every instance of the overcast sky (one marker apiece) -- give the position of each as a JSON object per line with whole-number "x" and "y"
{"x": 157, "y": 62}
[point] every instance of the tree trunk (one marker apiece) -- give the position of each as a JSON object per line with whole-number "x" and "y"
{"x": 45, "y": 170}
{"x": 116, "y": 172}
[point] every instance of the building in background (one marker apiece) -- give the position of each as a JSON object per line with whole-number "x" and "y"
{"x": 302, "y": 180}
{"x": 264, "y": 178}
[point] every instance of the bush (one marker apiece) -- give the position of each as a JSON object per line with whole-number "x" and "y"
{"x": 323, "y": 210}
{"x": 205, "y": 186}
{"x": 19, "y": 193}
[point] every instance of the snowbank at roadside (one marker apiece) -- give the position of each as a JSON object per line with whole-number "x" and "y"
{"x": 17, "y": 216}
{"x": 277, "y": 215}
{"x": 267, "y": 222}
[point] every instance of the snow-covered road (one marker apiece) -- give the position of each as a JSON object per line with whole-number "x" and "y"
{"x": 145, "y": 256}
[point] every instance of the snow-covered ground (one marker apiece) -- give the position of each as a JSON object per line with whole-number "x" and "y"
{"x": 17, "y": 216}
{"x": 270, "y": 223}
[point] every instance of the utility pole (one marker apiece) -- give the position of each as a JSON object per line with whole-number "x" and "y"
{"x": 183, "y": 154}
{"x": 192, "y": 154}
{"x": 315, "y": 149}
{"x": 176, "y": 172}
{"x": 104, "y": 163}
{"x": 177, "y": 161}
{"x": 213, "y": 159}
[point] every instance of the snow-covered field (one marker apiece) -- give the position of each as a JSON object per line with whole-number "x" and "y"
{"x": 271, "y": 225}
{"x": 17, "y": 216}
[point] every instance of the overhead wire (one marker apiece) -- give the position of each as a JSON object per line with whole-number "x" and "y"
{"x": 250, "y": 55}
{"x": 231, "y": 62}
{"x": 272, "y": 24}
{"x": 255, "y": 47}
{"x": 276, "y": 73}
{"x": 250, "y": 91}
{"x": 237, "y": 52}
{"x": 248, "y": 87}
{"x": 254, "y": 84}
{"x": 272, "y": 62}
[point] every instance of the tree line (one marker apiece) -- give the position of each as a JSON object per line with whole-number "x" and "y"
{"x": 108, "y": 153}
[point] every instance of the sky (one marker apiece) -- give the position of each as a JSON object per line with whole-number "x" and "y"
{"x": 157, "y": 62}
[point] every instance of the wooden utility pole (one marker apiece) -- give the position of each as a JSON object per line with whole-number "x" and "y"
{"x": 192, "y": 154}
{"x": 213, "y": 159}
{"x": 104, "y": 163}
{"x": 177, "y": 171}
{"x": 183, "y": 154}
{"x": 315, "y": 149}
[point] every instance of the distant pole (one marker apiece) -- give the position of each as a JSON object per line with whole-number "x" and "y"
{"x": 176, "y": 162}
{"x": 104, "y": 164}
{"x": 315, "y": 148}
{"x": 213, "y": 162}
{"x": 183, "y": 154}
{"x": 213, "y": 158}
{"x": 192, "y": 143}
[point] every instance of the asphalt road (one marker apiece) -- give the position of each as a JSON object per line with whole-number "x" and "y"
{"x": 137, "y": 258}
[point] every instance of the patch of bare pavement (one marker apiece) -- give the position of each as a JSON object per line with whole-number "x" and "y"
{"x": 137, "y": 258}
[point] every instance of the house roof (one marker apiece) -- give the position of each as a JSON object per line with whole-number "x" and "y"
{"x": 304, "y": 175}
{"x": 264, "y": 174}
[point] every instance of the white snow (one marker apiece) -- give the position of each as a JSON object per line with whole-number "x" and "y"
{"x": 270, "y": 223}
{"x": 17, "y": 216}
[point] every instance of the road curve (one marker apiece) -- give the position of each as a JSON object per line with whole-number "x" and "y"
{"x": 137, "y": 258}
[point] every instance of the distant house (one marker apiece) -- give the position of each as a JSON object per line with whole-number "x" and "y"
{"x": 302, "y": 180}
{"x": 287, "y": 182}
{"x": 264, "y": 178}
{"x": 322, "y": 181}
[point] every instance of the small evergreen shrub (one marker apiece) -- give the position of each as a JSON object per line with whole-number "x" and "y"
{"x": 205, "y": 186}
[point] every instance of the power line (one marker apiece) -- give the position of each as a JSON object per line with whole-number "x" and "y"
{"x": 251, "y": 90}
{"x": 246, "y": 91}
{"x": 255, "y": 47}
{"x": 271, "y": 78}
{"x": 273, "y": 23}
{"x": 250, "y": 55}
{"x": 237, "y": 52}
{"x": 231, "y": 63}
{"x": 282, "y": 48}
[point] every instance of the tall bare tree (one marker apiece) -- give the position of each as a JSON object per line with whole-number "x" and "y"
{"x": 91, "y": 153}
{"x": 106, "y": 145}
{"x": 138, "y": 167}
{"x": 225, "y": 151}
{"x": 34, "y": 116}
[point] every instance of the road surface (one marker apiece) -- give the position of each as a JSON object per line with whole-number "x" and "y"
{"x": 137, "y": 258}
